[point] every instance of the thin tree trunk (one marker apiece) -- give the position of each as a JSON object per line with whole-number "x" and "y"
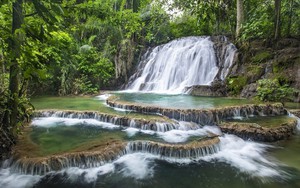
{"x": 239, "y": 17}
{"x": 290, "y": 18}
{"x": 14, "y": 67}
{"x": 277, "y": 19}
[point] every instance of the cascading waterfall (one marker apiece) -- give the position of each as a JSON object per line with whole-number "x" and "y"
{"x": 297, "y": 118}
{"x": 110, "y": 121}
{"x": 181, "y": 63}
{"x": 194, "y": 150}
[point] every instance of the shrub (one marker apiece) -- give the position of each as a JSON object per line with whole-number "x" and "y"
{"x": 271, "y": 90}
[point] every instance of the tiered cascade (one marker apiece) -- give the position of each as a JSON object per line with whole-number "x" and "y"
{"x": 172, "y": 67}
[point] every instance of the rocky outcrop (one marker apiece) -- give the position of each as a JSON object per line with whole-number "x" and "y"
{"x": 249, "y": 91}
{"x": 265, "y": 59}
{"x": 256, "y": 132}
{"x": 216, "y": 89}
{"x": 223, "y": 49}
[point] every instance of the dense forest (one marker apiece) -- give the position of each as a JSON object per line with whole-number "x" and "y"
{"x": 61, "y": 47}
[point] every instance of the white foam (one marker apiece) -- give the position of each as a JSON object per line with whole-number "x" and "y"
{"x": 136, "y": 165}
{"x": 48, "y": 122}
{"x": 14, "y": 180}
{"x": 90, "y": 175}
{"x": 298, "y": 120}
{"x": 247, "y": 156}
{"x": 103, "y": 97}
{"x": 176, "y": 136}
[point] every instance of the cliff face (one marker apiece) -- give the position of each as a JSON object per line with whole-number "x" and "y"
{"x": 262, "y": 59}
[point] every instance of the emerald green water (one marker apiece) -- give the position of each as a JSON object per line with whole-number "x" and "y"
{"x": 82, "y": 104}
{"x": 265, "y": 121}
{"x": 61, "y": 139}
{"x": 69, "y": 103}
{"x": 181, "y": 101}
{"x": 240, "y": 163}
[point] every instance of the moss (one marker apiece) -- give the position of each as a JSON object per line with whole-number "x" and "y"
{"x": 254, "y": 69}
{"x": 261, "y": 57}
{"x": 236, "y": 84}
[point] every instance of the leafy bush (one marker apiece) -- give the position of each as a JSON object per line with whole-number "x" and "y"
{"x": 271, "y": 90}
{"x": 83, "y": 85}
{"x": 236, "y": 84}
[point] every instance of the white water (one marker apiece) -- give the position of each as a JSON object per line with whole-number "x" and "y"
{"x": 247, "y": 157}
{"x": 172, "y": 67}
{"x": 298, "y": 120}
{"x": 48, "y": 122}
{"x": 176, "y": 135}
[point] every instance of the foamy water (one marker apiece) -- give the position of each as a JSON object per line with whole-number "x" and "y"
{"x": 48, "y": 122}
{"x": 247, "y": 157}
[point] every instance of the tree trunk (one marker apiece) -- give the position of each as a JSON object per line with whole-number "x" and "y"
{"x": 290, "y": 18}
{"x": 239, "y": 17}
{"x": 277, "y": 19}
{"x": 14, "y": 70}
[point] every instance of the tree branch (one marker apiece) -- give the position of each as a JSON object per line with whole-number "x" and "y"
{"x": 32, "y": 14}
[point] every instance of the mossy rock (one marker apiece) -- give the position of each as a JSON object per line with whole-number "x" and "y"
{"x": 261, "y": 57}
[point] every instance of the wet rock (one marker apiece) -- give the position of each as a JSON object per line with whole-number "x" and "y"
{"x": 204, "y": 116}
{"x": 256, "y": 132}
{"x": 83, "y": 159}
{"x": 216, "y": 89}
{"x": 199, "y": 148}
{"x": 296, "y": 112}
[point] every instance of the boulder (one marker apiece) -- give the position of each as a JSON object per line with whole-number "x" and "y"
{"x": 216, "y": 89}
{"x": 249, "y": 91}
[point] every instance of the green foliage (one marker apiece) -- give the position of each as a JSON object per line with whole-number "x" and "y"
{"x": 236, "y": 84}
{"x": 258, "y": 26}
{"x": 271, "y": 90}
{"x": 84, "y": 86}
{"x": 185, "y": 26}
{"x": 261, "y": 57}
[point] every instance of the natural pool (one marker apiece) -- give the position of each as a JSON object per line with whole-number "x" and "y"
{"x": 180, "y": 101}
{"x": 264, "y": 121}
{"x": 239, "y": 163}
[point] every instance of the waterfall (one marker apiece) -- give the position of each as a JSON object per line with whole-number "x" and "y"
{"x": 111, "y": 121}
{"x": 297, "y": 118}
{"x": 192, "y": 150}
{"x": 172, "y": 67}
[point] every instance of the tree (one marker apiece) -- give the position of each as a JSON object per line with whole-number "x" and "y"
{"x": 16, "y": 42}
{"x": 239, "y": 17}
{"x": 15, "y": 110}
{"x": 277, "y": 20}
{"x": 290, "y": 18}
